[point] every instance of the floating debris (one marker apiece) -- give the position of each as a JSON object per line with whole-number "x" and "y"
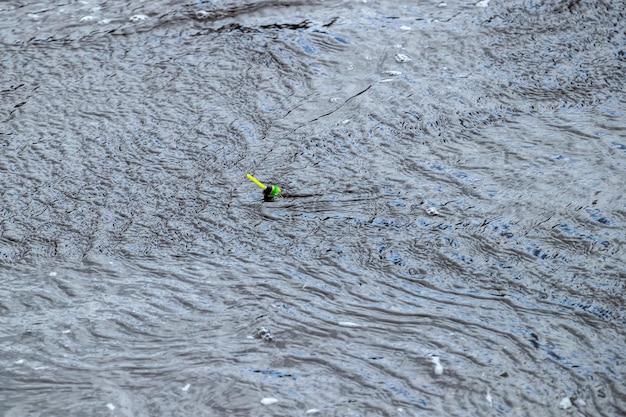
{"x": 432, "y": 211}
{"x": 186, "y": 388}
{"x": 312, "y": 411}
{"x": 202, "y": 14}
{"x": 438, "y": 365}
{"x": 268, "y": 401}
{"x": 110, "y": 406}
{"x": 348, "y": 324}
{"x": 482, "y": 3}
{"x": 402, "y": 58}
{"x": 265, "y": 334}
{"x": 565, "y": 403}
{"x": 138, "y": 18}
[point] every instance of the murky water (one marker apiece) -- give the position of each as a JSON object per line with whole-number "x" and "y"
{"x": 450, "y": 240}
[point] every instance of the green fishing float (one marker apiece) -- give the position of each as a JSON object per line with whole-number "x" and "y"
{"x": 269, "y": 192}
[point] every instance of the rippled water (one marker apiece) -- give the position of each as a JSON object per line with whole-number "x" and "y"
{"x": 450, "y": 240}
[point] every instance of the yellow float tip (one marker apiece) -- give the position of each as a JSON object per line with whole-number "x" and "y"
{"x": 257, "y": 182}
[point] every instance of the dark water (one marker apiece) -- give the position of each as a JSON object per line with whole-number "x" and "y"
{"x": 451, "y": 240}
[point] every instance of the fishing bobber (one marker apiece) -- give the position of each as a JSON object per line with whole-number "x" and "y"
{"x": 269, "y": 192}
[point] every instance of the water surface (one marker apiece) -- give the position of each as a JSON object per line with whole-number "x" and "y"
{"x": 450, "y": 240}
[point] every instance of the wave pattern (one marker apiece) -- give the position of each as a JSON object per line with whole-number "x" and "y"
{"x": 450, "y": 239}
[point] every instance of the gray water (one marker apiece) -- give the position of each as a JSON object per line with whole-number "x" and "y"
{"x": 450, "y": 240}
